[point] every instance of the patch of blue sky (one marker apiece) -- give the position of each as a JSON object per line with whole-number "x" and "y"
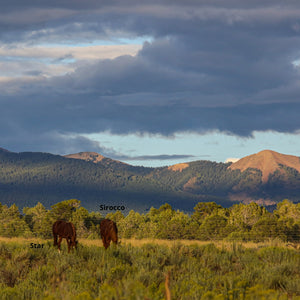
{"x": 43, "y": 60}
{"x": 213, "y": 146}
{"x": 63, "y": 61}
{"x": 296, "y": 63}
{"x": 16, "y": 58}
{"x": 112, "y": 41}
{"x": 135, "y": 41}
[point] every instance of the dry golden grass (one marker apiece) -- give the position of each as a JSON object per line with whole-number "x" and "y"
{"x": 178, "y": 167}
{"x": 170, "y": 243}
{"x": 88, "y": 156}
{"x": 219, "y": 244}
{"x": 22, "y": 240}
{"x": 141, "y": 242}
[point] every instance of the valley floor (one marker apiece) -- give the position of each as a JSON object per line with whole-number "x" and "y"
{"x": 148, "y": 269}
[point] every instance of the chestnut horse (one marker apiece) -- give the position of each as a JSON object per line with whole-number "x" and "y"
{"x": 109, "y": 232}
{"x": 65, "y": 230}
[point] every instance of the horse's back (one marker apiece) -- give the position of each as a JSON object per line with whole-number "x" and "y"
{"x": 63, "y": 228}
{"x": 108, "y": 229}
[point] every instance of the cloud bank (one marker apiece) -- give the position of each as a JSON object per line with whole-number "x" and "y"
{"x": 231, "y": 67}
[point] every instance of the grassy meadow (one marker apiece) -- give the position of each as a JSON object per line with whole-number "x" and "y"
{"x": 242, "y": 252}
{"x": 137, "y": 269}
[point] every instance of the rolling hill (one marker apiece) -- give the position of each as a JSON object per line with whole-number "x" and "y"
{"x": 28, "y": 177}
{"x": 267, "y": 162}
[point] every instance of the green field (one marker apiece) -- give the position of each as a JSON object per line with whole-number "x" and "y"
{"x": 244, "y": 252}
{"x": 137, "y": 270}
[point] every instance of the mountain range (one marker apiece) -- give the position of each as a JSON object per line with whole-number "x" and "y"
{"x": 26, "y": 178}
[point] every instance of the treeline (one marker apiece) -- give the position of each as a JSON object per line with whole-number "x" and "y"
{"x": 209, "y": 221}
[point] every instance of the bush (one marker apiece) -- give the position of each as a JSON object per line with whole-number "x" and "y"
{"x": 196, "y": 272}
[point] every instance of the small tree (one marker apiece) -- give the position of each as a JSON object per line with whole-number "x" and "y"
{"x": 63, "y": 210}
{"x": 79, "y": 218}
{"x": 35, "y": 218}
{"x": 206, "y": 209}
{"x": 243, "y": 217}
{"x": 12, "y": 224}
{"x": 213, "y": 227}
{"x": 129, "y": 226}
{"x": 268, "y": 227}
{"x": 287, "y": 209}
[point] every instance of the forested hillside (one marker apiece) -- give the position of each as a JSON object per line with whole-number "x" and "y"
{"x": 27, "y": 178}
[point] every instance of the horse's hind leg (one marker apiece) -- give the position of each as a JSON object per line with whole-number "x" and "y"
{"x": 107, "y": 242}
{"x": 103, "y": 242}
{"x": 55, "y": 239}
{"x": 59, "y": 242}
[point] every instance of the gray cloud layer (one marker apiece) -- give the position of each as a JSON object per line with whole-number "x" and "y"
{"x": 154, "y": 157}
{"x": 211, "y": 66}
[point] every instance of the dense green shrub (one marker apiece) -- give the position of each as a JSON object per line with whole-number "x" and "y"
{"x": 209, "y": 221}
{"x": 127, "y": 272}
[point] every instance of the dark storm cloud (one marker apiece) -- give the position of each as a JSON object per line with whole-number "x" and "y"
{"x": 32, "y": 21}
{"x": 51, "y": 142}
{"x": 211, "y": 65}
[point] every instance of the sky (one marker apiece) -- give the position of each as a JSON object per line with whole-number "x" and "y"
{"x": 150, "y": 83}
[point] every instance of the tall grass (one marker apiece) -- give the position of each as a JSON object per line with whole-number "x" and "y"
{"x": 138, "y": 271}
{"x": 141, "y": 242}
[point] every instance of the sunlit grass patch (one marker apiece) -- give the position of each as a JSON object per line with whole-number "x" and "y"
{"x": 219, "y": 244}
{"x": 22, "y": 240}
{"x": 141, "y": 242}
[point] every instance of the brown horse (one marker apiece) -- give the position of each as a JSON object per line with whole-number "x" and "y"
{"x": 65, "y": 230}
{"x": 109, "y": 232}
